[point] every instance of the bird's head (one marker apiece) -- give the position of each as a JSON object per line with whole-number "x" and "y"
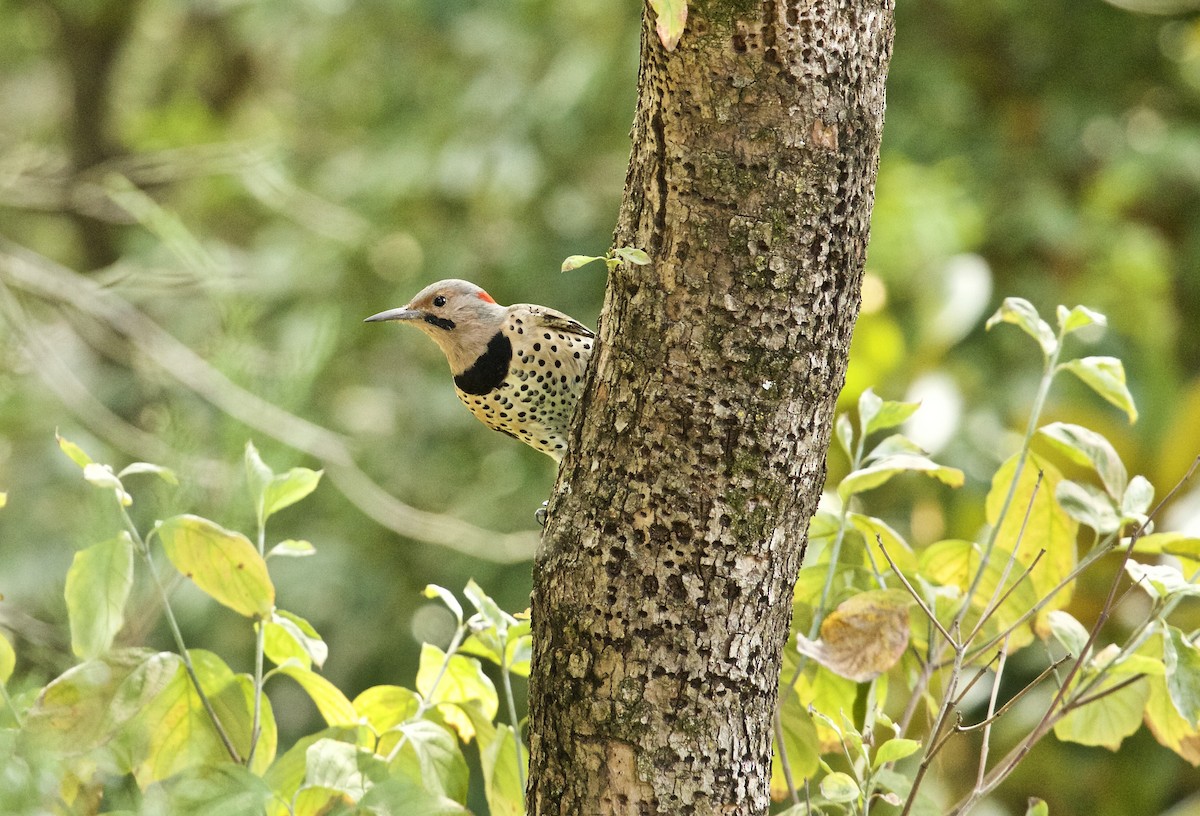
{"x": 459, "y": 316}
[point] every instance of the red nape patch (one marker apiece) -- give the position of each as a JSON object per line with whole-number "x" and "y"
{"x": 485, "y": 297}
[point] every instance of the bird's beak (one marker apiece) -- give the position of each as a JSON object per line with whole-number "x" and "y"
{"x": 403, "y": 313}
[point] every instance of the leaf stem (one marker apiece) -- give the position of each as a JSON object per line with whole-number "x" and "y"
{"x": 427, "y": 700}
{"x": 173, "y": 624}
{"x": 260, "y": 637}
{"x": 512, "y": 707}
{"x": 9, "y": 704}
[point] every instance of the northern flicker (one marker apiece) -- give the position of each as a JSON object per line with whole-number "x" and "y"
{"x": 519, "y": 369}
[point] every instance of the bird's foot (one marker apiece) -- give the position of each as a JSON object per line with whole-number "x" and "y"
{"x": 539, "y": 515}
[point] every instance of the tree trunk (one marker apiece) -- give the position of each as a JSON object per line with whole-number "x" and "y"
{"x": 662, "y": 593}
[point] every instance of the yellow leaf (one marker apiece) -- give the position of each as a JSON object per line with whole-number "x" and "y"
{"x": 222, "y": 563}
{"x": 1035, "y": 522}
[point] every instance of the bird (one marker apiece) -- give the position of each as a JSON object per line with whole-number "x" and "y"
{"x": 519, "y": 369}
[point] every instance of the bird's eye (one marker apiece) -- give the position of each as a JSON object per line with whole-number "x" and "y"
{"x": 439, "y": 301}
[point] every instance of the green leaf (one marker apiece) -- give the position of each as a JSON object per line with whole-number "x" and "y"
{"x": 1130, "y": 664}
{"x": 178, "y": 732}
{"x": 1161, "y": 580}
{"x": 292, "y": 548}
{"x": 894, "y": 750}
{"x": 227, "y": 789}
{"x": 1176, "y": 544}
{"x": 1105, "y": 376}
{"x": 1068, "y": 631}
{"x": 385, "y": 707}
{"x": 670, "y": 18}
{"x": 286, "y": 774}
{"x": 1021, "y": 313}
{"x": 632, "y": 255}
{"x": 291, "y": 637}
{"x": 73, "y": 451}
{"x": 330, "y": 702}
{"x": 573, "y": 262}
{"x": 877, "y": 473}
{"x": 1168, "y": 726}
{"x": 1072, "y": 320}
{"x": 1182, "y": 661}
{"x": 222, "y": 563}
{"x": 1106, "y": 721}
{"x": 285, "y": 489}
{"x": 98, "y": 585}
{"x": 490, "y": 610}
{"x": 1084, "y": 446}
{"x": 889, "y": 415}
{"x": 517, "y": 647}
{"x": 447, "y": 597}
{"x": 1136, "y": 501}
{"x": 103, "y": 476}
{"x": 8, "y": 659}
{"x": 826, "y": 695}
{"x": 498, "y": 758}
{"x": 869, "y": 406}
{"x": 431, "y": 758}
{"x": 845, "y": 435}
{"x": 402, "y": 797}
{"x": 1035, "y": 806}
{"x": 316, "y": 800}
{"x": 1088, "y": 505}
{"x": 258, "y": 476}
{"x": 873, "y": 531}
{"x": 894, "y": 445}
{"x": 340, "y": 766}
{"x": 166, "y": 474}
{"x": 462, "y": 683}
{"x": 839, "y": 787}
{"x": 76, "y": 712}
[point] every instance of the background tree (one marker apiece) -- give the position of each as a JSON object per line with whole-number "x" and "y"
{"x": 662, "y": 594}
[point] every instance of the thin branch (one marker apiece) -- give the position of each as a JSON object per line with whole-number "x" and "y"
{"x": 1012, "y": 557}
{"x": 1058, "y": 708}
{"x": 783, "y": 758}
{"x": 1080, "y": 702}
{"x": 986, "y": 742}
{"x": 978, "y": 675}
{"x": 913, "y": 592}
{"x": 1015, "y": 698}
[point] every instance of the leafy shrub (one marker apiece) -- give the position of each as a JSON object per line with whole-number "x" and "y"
{"x": 129, "y": 729}
{"x": 181, "y": 732}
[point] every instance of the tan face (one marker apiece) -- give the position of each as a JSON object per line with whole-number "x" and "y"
{"x": 457, "y": 315}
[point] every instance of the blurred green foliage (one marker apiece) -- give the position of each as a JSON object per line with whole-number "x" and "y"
{"x": 257, "y": 177}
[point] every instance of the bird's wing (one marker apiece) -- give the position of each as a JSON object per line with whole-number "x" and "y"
{"x": 558, "y": 322}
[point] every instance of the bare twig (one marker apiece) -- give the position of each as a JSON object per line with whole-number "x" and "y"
{"x": 993, "y": 603}
{"x": 985, "y": 743}
{"x": 913, "y": 592}
{"x": 1059, "y": 706}
{"x": 1015, "y": 698}
{"x": 783, "y": 758}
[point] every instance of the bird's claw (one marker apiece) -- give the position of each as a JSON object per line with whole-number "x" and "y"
{"x": 539, "y": 515}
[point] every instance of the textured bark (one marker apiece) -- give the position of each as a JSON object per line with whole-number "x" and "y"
{"x": 662, "y": 593}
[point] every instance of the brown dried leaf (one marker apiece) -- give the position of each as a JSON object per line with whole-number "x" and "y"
{"x": 863, "y": 637}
